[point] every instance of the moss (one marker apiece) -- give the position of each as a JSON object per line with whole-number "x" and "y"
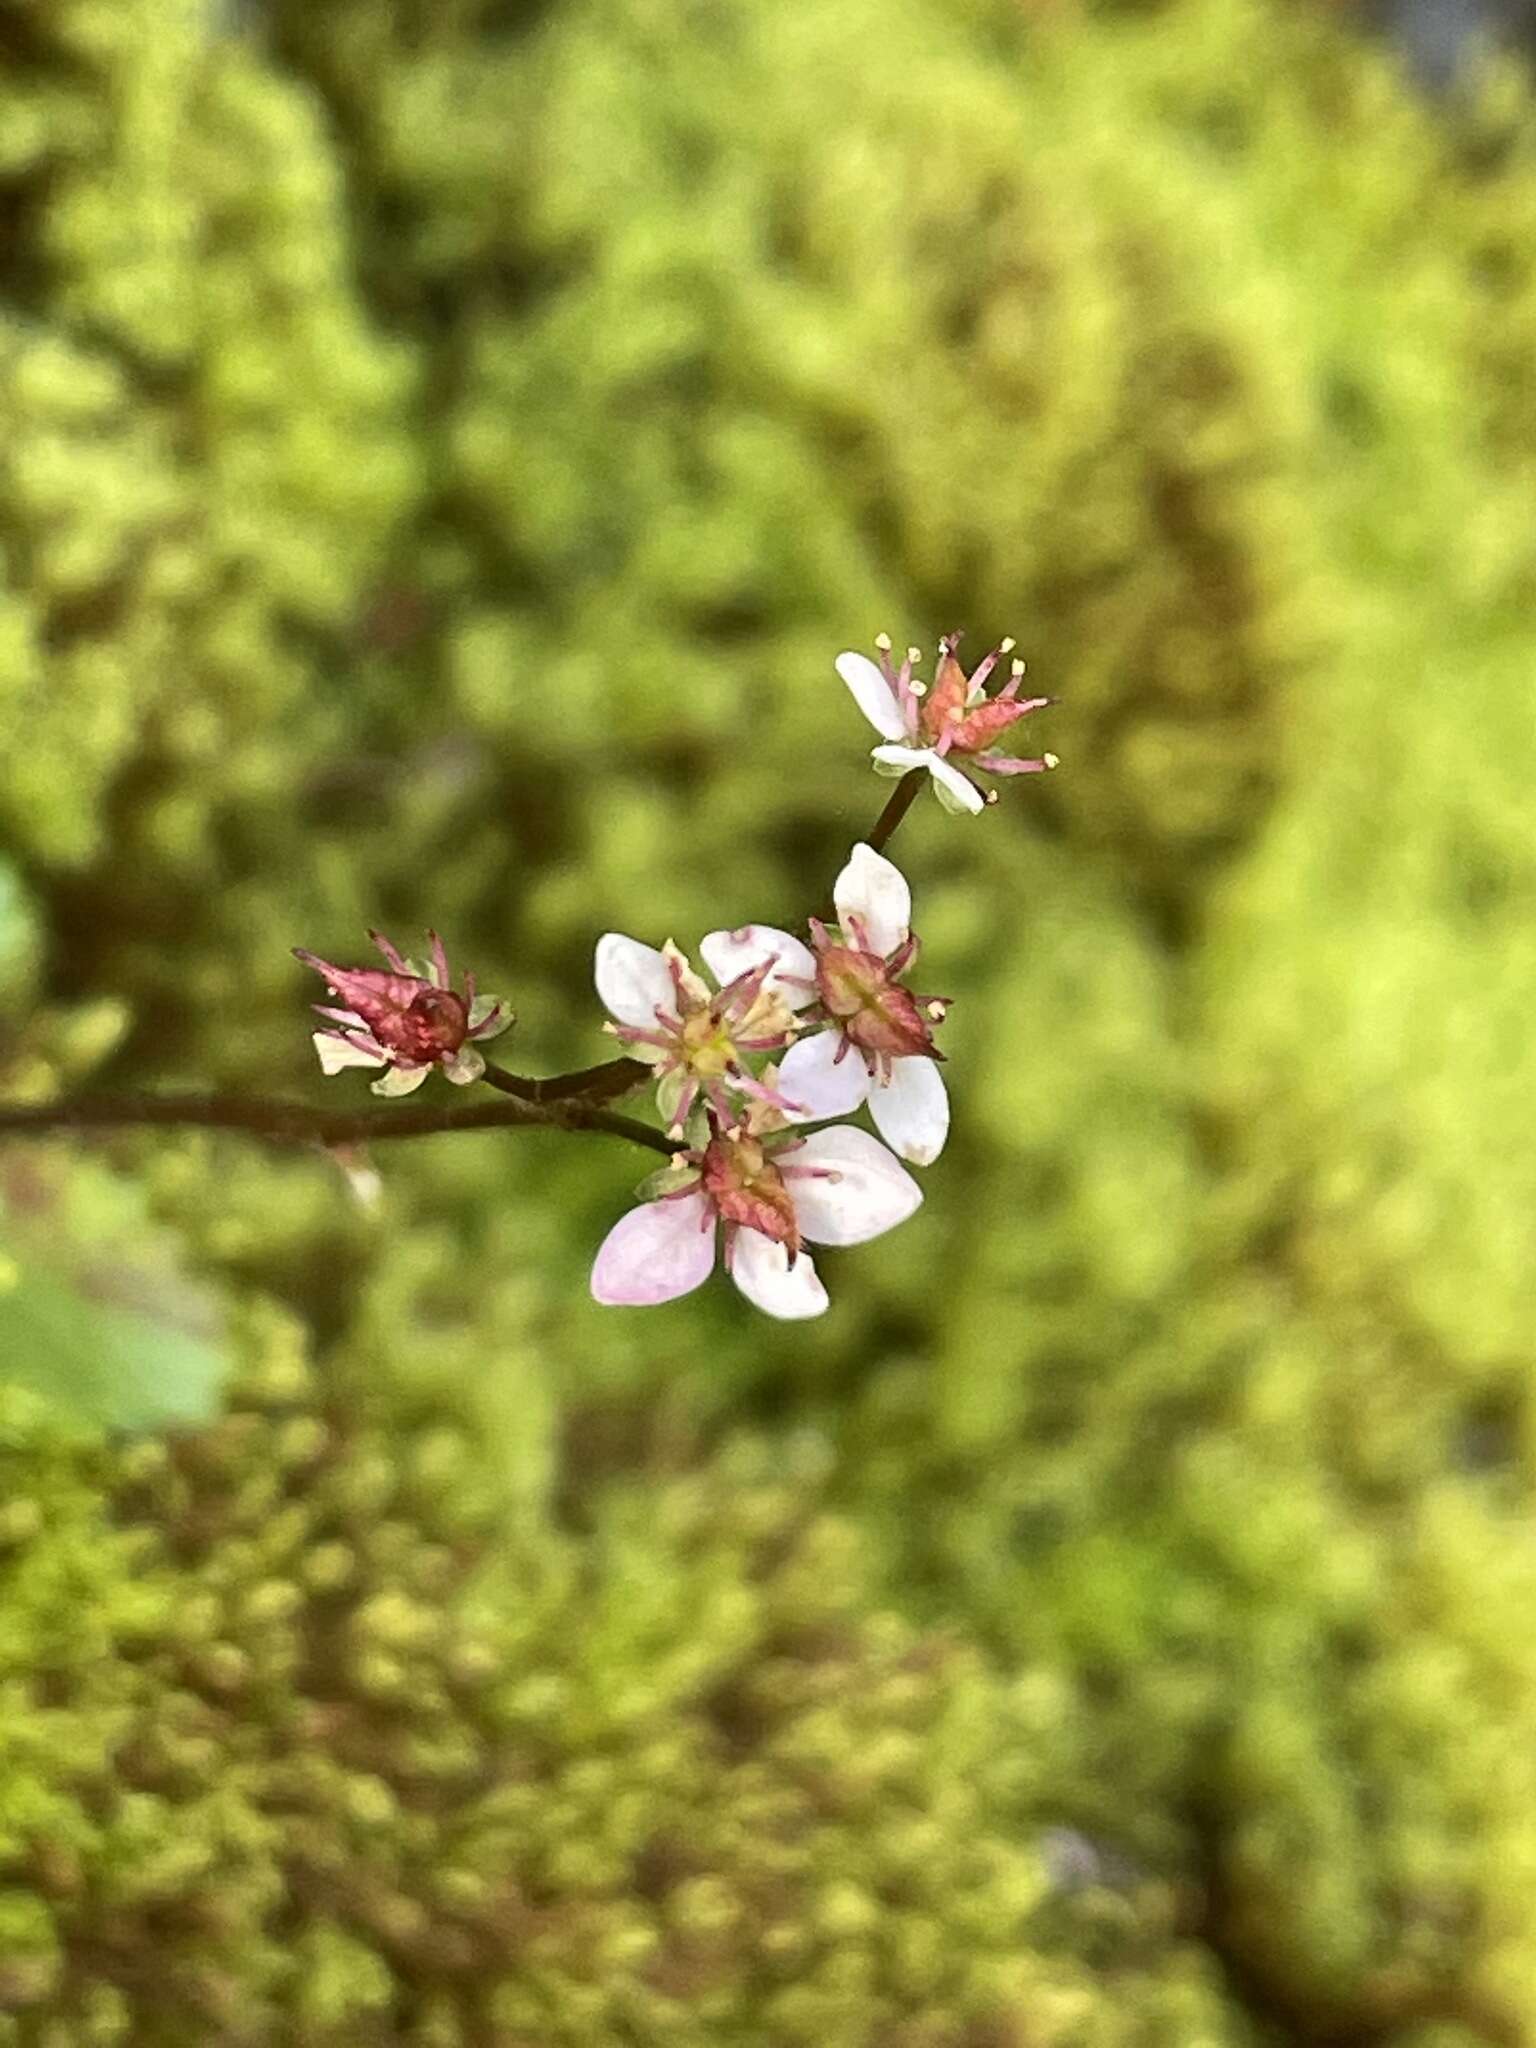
{"x": 297, "y": 1738}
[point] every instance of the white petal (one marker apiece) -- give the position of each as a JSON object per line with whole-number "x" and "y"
{"x": 875, "y": 891}
{"x": 761, "y": 1269}
{"x": 467, "y": 1064}
{"x": 911, "y": 1110}
{"x": 727, "y": 954}
{"x": 900, "y": 759}
{"x": 808, "y": 1077}
{"x": 873, "y": 695}
{"x": 335, "y": 1053}
{"x": 956, "y": 791}
{"x": 863, "y": 1192}
{"x": 401, "y": 1080}
{"x": 633, "y": 981}
{"x": 656, "y": 1253}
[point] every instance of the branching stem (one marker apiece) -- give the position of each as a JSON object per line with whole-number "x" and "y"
{"x": 562, "y": 1102}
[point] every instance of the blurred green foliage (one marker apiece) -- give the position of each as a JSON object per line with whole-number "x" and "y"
{"x": 446, "y": 445}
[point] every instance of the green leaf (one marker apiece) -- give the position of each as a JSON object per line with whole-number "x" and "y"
{"x": 96, "y": 1313}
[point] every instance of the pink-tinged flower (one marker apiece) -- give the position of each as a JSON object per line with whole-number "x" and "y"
{"x": 408, "y": 1019}
{"x": 770, "y": 1195}
{"x": 875, "y": 1043}
{"x": 948, "y": 729}
{"x": 698, "y": 1042}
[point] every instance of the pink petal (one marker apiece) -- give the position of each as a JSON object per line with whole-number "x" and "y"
{"x": 762, "y": 1271}
{"x": 809, "y": 1078}
{"x": 873, "y": 695}
{"x": 633, "y": 981}
{"x": 656, "y": 1253}
{"x": 847, "y": 1188}
{"x": 911, "y": 1110}
{"x": 727, "y": 954}
{"x": 874, "y": 890}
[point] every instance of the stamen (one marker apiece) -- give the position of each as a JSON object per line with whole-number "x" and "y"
{"x": 1051, "y": 760}
{"x": 883, "y": 642}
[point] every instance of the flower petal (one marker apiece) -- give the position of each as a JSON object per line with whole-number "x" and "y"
{"x": 727, "y": 954}
{"x": 899, "y": 759}
{"x": 820, "y": 1089}
{"x": 466, "y": 1065}
{"x": 336, "y": 1053}
{"x": 633, "y": 981}
{"x": 956, "y": 791}
{"x": 911, "y": 1110}
{"x": 656, "y": 1253}
{"x": 401, "y": 1080}
{"x": 875, "y": 891}
{"x": 762, "y": 1271}
{"x": 489, "y": 1017}
{"x": 873, "y": 695}
{"x": 846, "y": 1187}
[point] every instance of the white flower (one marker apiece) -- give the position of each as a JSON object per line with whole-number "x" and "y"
{"x": 955, "y": 721}
{"x": 837, "y": 1187}
{"x": 874, "y": 1043}
{"x": 664, "y": 1013}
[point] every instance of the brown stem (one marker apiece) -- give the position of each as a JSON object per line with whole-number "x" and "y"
{"x": 588, "y": 1084}
{"x": 901, "y": 800}
{"x": 294, "y": 1123}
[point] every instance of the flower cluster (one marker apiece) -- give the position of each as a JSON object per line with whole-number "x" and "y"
{"x": 786, "y": 1032}
{"x": 848, "y": 1029}
{"x": 953, "y": 723}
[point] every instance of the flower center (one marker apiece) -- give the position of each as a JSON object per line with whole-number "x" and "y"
{"x": 708, "y": 1048}
{"x": 875, "y": 1012}
{"x": 746, "y": 1187}
{"x": 434, "y": 1023}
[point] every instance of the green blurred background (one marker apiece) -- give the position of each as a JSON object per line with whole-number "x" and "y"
{"x": 445, "y": 442}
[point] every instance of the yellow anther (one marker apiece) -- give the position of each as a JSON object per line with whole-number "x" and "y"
{"x": 1006, "y": 646}
{"x": 1052, "y": 760}
{"x": 883, "y": 642}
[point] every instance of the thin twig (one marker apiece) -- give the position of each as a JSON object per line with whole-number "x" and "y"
{"x": 587, "y": 1084}
{"x": 295, "y": 1123}
{"x": 901, "y": 800}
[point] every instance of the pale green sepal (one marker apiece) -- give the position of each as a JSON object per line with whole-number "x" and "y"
{"x": 666, "y": 1180}
{"x": 401, "y": 1080}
